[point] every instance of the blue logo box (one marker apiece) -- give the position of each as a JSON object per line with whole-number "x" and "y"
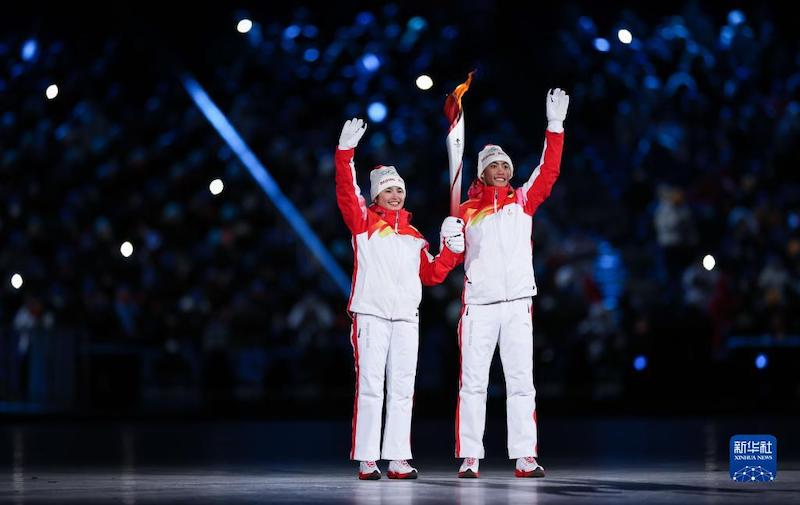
{"x": 753, "y": 458}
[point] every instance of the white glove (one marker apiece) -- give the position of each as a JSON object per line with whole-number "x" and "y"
{"x": 452, "y": 234}
{"x": 452, "y": 226}
{"x": 455, "y": 243}
{"x": 352, "y": 131}
{"x": 557, "y": 102}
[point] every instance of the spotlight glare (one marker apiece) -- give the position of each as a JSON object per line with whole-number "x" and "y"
{"x": 424, "y": 82}
{"x": 126, "y": 249}
{"x": 640, "y": 363}
{"x": 761, "y": 361}
{"x": 709, "y": 262}
{"x": 735, "y": 17}
{"x": 244, "y": 25}
{"x": 16, "y": 281}
{"x": 29, "y": 50}
{"x": 624, "y": 36}
{"x": 601, "y": 45}
{"x": 51, "y": 92}
{"x": 216, "y": 186}
{"x": 292, "y": 32}
{"x": 371, "y": 62}
{"x": 377, "y": 111}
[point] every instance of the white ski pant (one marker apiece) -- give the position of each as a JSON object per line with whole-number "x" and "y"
{"x": 480, "y": 330}
{"x": 383, "y": 349}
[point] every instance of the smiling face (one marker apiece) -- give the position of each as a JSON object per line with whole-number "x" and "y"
{"x": 391, "y": 198}
{"x": 497, "y": 173}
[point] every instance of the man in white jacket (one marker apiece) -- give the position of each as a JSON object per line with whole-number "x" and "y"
{"x": 498, "y": 295}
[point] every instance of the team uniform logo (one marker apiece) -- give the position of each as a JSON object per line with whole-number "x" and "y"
{"x": 753, "y": 458}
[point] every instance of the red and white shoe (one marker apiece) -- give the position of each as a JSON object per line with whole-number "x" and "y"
{"x": 469, "y": 469}
{"x": 400, "y": 469}
{"x": 368, "y": 470}
{"x": 528, "y": 467}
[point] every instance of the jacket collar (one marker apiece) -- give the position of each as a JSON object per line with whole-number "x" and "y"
{"x": 400, "y": 217}
{"x": 488, "y": 194}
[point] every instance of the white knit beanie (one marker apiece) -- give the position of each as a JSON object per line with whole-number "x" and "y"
{"x": 492, "y": 153}
{"x": 383, "y": 177}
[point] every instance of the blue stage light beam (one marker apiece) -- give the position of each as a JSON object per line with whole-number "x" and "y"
{"x": 266, "y": 181}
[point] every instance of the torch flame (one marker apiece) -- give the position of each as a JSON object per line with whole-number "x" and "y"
{"x": 452, "y": 106}
{"x": 462, "y": 88}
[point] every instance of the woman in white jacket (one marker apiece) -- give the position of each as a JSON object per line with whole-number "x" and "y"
{"x": 391, "y": 263}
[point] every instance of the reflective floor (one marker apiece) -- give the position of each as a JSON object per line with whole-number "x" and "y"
{"x": 319, "y": 484}
{"x": 588, "y": 461}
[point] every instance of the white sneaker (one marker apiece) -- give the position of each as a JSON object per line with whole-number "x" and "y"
{"x": 528, "y": 467}
{"x": 400, "y": 469}
{"x": 469, "y": 469}
{"x": 368, "y": 470}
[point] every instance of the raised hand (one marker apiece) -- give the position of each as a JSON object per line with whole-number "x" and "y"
{"x": 557, "y": 102}
{"x": 352, "y": 131}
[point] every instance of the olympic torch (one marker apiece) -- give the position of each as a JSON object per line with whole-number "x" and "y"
{"x": 454, "y": 112}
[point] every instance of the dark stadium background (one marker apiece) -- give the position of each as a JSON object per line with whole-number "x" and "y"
{"x": 221, "y": 311}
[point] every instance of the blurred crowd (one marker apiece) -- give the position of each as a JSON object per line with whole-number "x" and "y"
{"x": 673, "y": 227}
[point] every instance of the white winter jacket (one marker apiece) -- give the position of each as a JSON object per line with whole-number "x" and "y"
{"x": 498, "y": 260}
{"x": 391, "y": 258}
